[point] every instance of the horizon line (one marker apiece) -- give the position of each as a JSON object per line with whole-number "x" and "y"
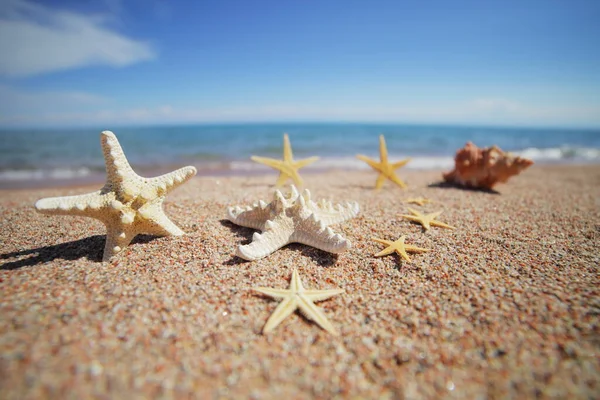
{"x": 51, "y": 127}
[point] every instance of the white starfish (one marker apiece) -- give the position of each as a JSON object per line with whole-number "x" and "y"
{"x": 128, "y": 204}
{"x": 297, "y": 219}
{"x": 296, "y": 297}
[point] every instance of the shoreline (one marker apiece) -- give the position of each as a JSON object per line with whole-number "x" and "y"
{"x": 99, "y": 177}
{"x": 504, "y": 306}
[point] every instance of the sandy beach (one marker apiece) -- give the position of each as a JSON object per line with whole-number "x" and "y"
{"x": 505, "y": 306}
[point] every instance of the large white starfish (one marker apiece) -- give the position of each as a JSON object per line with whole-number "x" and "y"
{"x": 296, "y": 297}
{"x": 296, "y": 219}
{"x": 128, "y": 204}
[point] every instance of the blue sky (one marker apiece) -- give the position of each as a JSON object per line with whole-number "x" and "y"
{"x": 138, "y": 62}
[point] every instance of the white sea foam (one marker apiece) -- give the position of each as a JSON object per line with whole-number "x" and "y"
{"x": 43, "y": 174}
{"x": 565, "y": 153}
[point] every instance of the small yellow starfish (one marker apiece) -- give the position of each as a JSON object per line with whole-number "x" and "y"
{"x": 418, "y": 200}
{"x": 296, "y": 297}
{"x": 426, "y": 220}
{"x": 399, "y": 247}
{"x": 386, "y": 170}
{"x": 288, "y": 168}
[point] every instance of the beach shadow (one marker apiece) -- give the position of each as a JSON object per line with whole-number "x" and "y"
{"x": 401, "y": 264}
{"x": 235, "y": 260}
{"x": 243, "y": 233}
{"x": 448, "y": 185}
{"x": 406, "y": 267}
{"x": 244, "y": 236}
{"x": 90, "y": 248}
{"x": 423, "y": 230}
{"x": 320, "y": 257}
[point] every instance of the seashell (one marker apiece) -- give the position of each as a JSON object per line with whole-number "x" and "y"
{"x": 483, "y": 168}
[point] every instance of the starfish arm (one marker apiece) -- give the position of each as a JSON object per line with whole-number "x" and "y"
{"x": 163, "y": 184}
{"x": 441, "y": 225}
{"x": 303, "y": 163}
{"x": 85, "y": 205}
{"x": 296, "y": 282}
{"x": 412, "y": 218}
{"x": 380, "y": 181}
{"x": 313, "y": 233}
{"x": 283, "y": 310}
{"x": 402, "y": 253}
{"x": 374, "y": 164}
{"x": 156, "y": 222}
{"x": 330, "y": 215}
{"x": 382, "y": 241}
{"x": 416, "y": 249}
{"x": 312, "y": 312}
{"x": 417, "y": 201}
{"x": 383, "y": 150}
{"x": 399, "y": 164}
{"x": 288, "y": 156}
{"x": 284, "y": 176}
{"x": 274, "y": 293}
{"x": 320, "y": 295}
{"x": 264, "y": 244}
{"x": 117, "y": 166}
{"x": 418, "y": 220}
{"x": 386, "y": 251}
{"x": 270, "y": 162}
{"x": 117, "y": 238}
{"x": 415, "y": 212}
{"x": 394, "y": 178}
{"x": 251, "y": 217}
{"x": 123, "y": 180}
{"x": 434, "y": 215}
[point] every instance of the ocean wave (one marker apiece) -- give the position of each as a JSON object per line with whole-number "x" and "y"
{"x": 563, "y": 153}
{"x": 44, "y": 174}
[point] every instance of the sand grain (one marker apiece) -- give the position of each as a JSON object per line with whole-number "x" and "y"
{"x": 507, "y": 305}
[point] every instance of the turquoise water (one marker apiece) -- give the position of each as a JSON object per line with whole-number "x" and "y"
{"x": 46, "y": 155}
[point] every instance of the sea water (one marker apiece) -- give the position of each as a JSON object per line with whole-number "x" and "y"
{"x": 47, "y": 157}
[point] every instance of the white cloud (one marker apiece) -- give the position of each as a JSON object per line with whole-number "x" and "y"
{"x": 35, "y": 39}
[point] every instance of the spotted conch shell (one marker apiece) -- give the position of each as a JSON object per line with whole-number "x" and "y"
{"x": 483, "y": 168}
